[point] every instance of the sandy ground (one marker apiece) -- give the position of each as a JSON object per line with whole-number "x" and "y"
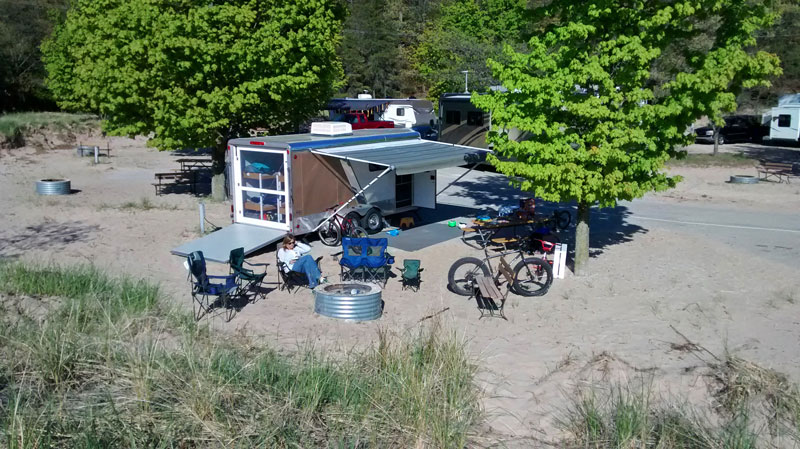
{"x": 612, "y": 325}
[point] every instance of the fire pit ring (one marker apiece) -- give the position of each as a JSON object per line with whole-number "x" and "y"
{"x": 351, "y": 301}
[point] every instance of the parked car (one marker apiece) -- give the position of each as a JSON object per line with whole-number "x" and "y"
{"x": 360, "y": 121}
{"x": 738, "y": 128}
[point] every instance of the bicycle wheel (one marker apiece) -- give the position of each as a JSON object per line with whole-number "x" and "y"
{"x": 562, "y": 218}
{"x": 532, "y": 277}
{"x": 462, "y": 274}
{"x": 330, "y": 234}
{"x": 356, "y": 231}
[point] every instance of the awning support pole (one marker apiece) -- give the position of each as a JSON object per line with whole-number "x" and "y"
{"x": 388, "y": 169}
{"x": 459, "y": 178}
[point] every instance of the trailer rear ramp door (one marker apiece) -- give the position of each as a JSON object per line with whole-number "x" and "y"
{"x": 217, "y": 246}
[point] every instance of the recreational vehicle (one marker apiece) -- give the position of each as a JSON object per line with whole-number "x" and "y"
{"x": 785, "y": 120}
{"x": 463, "y": 123}
{"x": 288, "y": 183}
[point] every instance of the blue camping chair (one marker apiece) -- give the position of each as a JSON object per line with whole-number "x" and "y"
{"x": 203, "y": 290}
{"x": 377, "y": 261}
{"x": 351, "y": 263}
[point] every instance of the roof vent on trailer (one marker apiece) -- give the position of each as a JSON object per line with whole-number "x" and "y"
{"x": 331, "y": 128}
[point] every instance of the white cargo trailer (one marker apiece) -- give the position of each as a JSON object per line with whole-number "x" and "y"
{"x": 287, "y": 183}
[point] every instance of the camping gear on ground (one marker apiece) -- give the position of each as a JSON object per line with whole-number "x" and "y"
{"x": 365, "y": 259}
{"x": 410, "y": 274}
{"x": 506, "y": 211}
{"x": 452, "y": 223}
{"x": 560, "y": 260}
{"x": 350, "y": 301}
{"x": 406, "y": 222}
{"x": 527, "y": 209}
{"x": 247, "y": 278}
{"x": 393, "y": 232}
{"x": 203, "y": 290}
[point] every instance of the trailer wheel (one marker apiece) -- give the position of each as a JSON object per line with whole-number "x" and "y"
{"x": 373, "y": 221}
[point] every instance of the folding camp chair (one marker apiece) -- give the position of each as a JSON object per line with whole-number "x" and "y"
{"x": 288, "y": 279}
{"x": 351, "y": 264}
{"x": 203, "y": 290}
{"x": 410, "y": 274}
{"x": 376, "y": 260}
{"x": 246, "y": 278}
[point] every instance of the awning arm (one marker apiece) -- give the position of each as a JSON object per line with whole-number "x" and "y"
{"x": 459, "y": 178}
{"x": 388, "y": 169}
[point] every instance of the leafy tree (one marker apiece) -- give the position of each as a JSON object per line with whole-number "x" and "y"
{"x": 23, "y": 26}
{"x": 195, "y": 73}
{"x": 783, "y": 39}
{"x": 601, "y": 124}
{"x": 370, "y": 50}
{"x": 463, "y": 37}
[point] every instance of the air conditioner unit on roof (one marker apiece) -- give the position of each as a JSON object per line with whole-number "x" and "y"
{"x": 331, "y": 128}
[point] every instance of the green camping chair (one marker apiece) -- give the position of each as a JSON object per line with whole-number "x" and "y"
{"x": 246, "y": 278}
{"x": 410, "y": 274}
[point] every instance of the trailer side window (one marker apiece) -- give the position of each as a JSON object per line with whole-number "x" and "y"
{"x": 784, "y": 121}
{"x": 475, "y": 118}
{"x": 401, "y": 112}
{"x": 453, "y": 118}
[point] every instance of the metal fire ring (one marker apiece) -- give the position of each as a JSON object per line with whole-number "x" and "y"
{"x": 53, "y": 187}
{"x": 744, "y": 179}
{"x": 352, "y": 301}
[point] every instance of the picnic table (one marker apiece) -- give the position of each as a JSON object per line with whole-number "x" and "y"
{"x": 190, "y": 163}
{"x": 499, "y": 231}
{"x": 187, "y": 177}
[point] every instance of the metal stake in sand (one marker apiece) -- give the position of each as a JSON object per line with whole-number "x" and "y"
{"x": 202, "y": 218}
{"x": 96, "y": 155}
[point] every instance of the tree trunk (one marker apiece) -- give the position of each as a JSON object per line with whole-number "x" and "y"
{"x": 218, "y": 179}
{"x": 716, "y": 139}
{"x": 582, "y": 239}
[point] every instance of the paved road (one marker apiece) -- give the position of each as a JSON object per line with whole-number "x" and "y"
{"x": 772, "y": 235}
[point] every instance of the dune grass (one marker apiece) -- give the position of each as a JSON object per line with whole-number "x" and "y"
{"x": 753, "y": 407}
{"x": 109, "y": 365}
{"x": 13, "y": 125}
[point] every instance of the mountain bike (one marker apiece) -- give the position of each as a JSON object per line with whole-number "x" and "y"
{"x": 532, "y": 275}
{"x": 332, "y": 230}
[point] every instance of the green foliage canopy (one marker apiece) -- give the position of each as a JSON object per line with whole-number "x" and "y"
{"x": 463, "y": 37}
{"x": 195, "y": 73}
{"x": 371, "y": 49}
{"x": 599, "y": 125}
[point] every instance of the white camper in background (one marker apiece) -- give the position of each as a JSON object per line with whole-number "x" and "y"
{"x": 785, "y": 120}
{"x": 287, "y": 183}
{"x": 409, "y": 113}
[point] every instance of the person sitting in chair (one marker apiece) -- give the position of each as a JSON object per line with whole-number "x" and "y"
{"x": 295, "y": 256}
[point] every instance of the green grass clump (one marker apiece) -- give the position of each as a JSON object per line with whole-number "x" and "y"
{"x": 12, "y": 125}
{"x": 110, "y": 366}
{"x": 747, "y": 416}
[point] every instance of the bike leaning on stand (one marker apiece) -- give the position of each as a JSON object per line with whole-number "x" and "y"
{"x": 532, "y": 275}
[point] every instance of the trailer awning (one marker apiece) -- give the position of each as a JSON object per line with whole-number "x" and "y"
{"x": 407, "y": 157}
{"x": 217, "y": 246}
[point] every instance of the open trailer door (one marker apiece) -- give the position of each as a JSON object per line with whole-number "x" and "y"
{"x": 217, "y": 246}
